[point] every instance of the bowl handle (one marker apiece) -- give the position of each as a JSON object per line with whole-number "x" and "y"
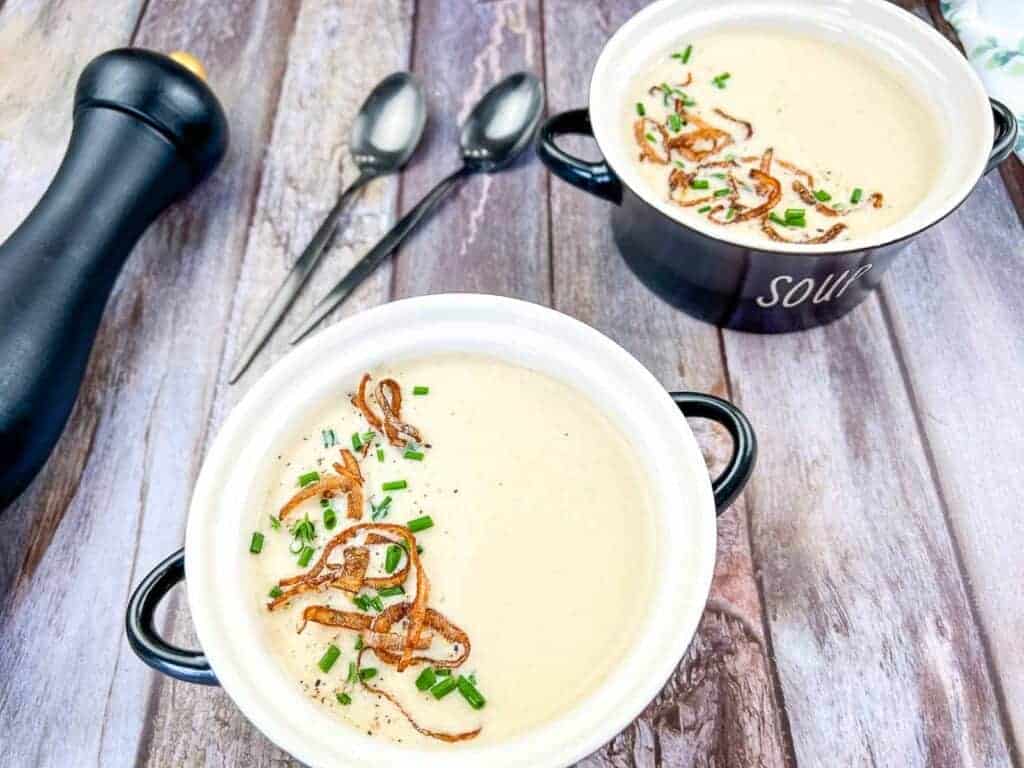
{"x": 189, "y": 666}
{"x": 1005, "y": 136}
{"x": 595, "y": 178}
{"x": 727, "y": 486}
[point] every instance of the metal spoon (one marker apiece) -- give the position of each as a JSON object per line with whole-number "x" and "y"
{"x": 385, "y": 134}
{"x": 499, "y": 128}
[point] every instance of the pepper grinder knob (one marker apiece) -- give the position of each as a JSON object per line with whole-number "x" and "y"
{"x": 147, "y": 129}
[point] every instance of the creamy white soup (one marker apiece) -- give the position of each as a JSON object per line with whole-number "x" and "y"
{"x": 531, "y": 524}
{"x": 789, "y": 138}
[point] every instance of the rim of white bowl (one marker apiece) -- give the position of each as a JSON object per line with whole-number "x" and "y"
{"x": 908, "y": 41}
{"x": 672, "y": 458}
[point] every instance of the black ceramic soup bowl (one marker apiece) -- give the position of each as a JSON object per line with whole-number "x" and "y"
{"x": 774, "y": 287}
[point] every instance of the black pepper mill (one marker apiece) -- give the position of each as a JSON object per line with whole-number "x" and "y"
{"x": 147, "y": 129}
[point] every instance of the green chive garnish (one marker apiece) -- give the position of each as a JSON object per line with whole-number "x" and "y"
{"x": 704, "y": 209}
{"x": 470, "y": 693}
{"x": 377, "y": 511}
{"x": 722, "y": 192}
{"x": 420, "y": 524}
{"x": 777, "y": 219}
{"x": 375, "y": 603}
{"x": 256, "y": 545}
{"x": 392, "y": 558}
{"x": 390, "y": 592}
{"x": 329, "y": 438}
{"x": 357, "y": 444}
{"x": 421, "y": 390}
{"x": 329, "y": 657}
{"x": 795, "y": 213}
{"x": 305, "y": 556}
{"x": 650, "y": 138}
{"x": 700, "y": 184}
{"x": 855, "y": 197}
{"x": 275, "y": 591}
{"x": 330, "y": 518}
{"x": 275, "y": 523}
{"x": 426, "y": 679}
{"x": 359, "y": 642}
{"x": 730, "y": 213}
{"x": 684, "y": 57}
{"x": 362, "y": 602}
{"x": 443, "y": 672}
{"x": 309, "y": 477}
{"x": 443, "y": 688}
{"x": 352, "y": 672}
{"x": 395, "y": 485}
{"x": 343, "y": 698}
{"x": 719, "y": 81}
{"x": 368, "y": 673}
{"x": 640, "y": 109}
{"x": 413, "y": 455}
{"x": 380, "y": 455}
{"x": 674, "y": 123}
{"x": 822, "y": 196}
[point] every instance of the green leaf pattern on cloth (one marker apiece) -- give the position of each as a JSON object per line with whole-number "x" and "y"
{"x": 992, "y": 33}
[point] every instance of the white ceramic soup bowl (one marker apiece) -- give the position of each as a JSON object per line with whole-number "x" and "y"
{"x": 228, "y": 499}
{"x": 744, "y": 281}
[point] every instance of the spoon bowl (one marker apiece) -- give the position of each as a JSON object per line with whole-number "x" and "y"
{"x": 389, "y": 124}
{"x": 503, "y": 123}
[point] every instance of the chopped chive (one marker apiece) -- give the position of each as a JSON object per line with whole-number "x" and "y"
{"x": 679, "y": 164}
{"x": 855, "y": 197}
{"x": 777, "y": 219}
{"x": 421, "y": 390}
{"x": 795, "y": 213}
{"x": 650, "y": 138}
{"x": 392, "y": 558}
{"x": 368, "y": 673}
{"x": 325, "y": 503}
{"x": 684, "y": 57}
{"x": 357, "y": 444}
{"x": 275, "y": 591}
{"x": 730, "y": 213}
{"x": 343, "y": 698}
{"x": 352, "y": 672}
{"x": 722, "y": 192}
{"x": 380, "y": 455}
{"x": 305, "y": 556}
{"x": 359, "y": 642}
{"x": 700, "y": 184}
{"x": 394, "y": 485}
{"x": 443, "y": 672}
{"x": 330, "y": 656}
{"x": 362, "y": 602}
{"x": 375, "y": 603}
{"x": 308, "y": 477}
{"x": 256, "y": 545}
{"x": 719, "y": 80}
{"x": 330, "y": 518}
{"x": 377, "y": 511}
{"x": 420, "y": 524}
{"x": 390, "y": 592}
{"x": 426, "y": 679}
{"x": 367, "y": 437}
{"x": 275, "y": 522}
{"x": 640, "y": 109}
{"x": 470, "y": 693}
{"x": 704, "y": 209}
{"x": 303, "y": 533}
{"x": 330, "y": 439}
{"x": 822, "y": 196}
{"x": 413, "y": 455}
{"x": 674, "y": 123}
{"x": 443, "y": 688}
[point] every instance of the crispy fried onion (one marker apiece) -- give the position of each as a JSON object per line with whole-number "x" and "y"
{"x": 876, "y": 200}
{"x": 731, "y": 119}
{"x": 808, "y": 197}
{"x": 349, "y": 481}
{"x": 680, "y": 179}
{"x": 324, "y": 574}
{"x": 649, "y": 149}
{"x": 389, "y": 400}
{"x": 705, "y": 140}
{"x": 828, "y": 235}
{"x": 359, "y": 622}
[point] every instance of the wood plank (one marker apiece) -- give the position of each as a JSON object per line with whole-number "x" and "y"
{"x": 146, "y": 399}
{"x": 879, "y": 658}
{"x": 719, "y": 708}
{"x": 306, "y": 164}
{"x": 491, "y": 235}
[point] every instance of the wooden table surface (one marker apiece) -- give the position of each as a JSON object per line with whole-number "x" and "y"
{"x": 867, "y": 605}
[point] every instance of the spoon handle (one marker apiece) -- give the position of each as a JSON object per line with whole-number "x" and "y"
{"x": 296, "y": 278}
{"x": 384, "y": 247}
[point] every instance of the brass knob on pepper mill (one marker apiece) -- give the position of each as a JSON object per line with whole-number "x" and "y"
{"x": 147, "y": 129}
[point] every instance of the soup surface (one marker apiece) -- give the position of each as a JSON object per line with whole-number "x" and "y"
{"x": 785, "y": 137}
{"x": 540, "y": 551}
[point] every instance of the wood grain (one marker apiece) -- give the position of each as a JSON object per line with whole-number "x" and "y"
{"x": 720, "y": 707}
{"x": 878, "y": 656}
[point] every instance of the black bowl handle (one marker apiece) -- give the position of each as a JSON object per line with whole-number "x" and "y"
{"x": 726, "y": 486}
{"x": 595, "y": 178}
{"x": 1005, "y": 136}
{"x": 189, "y": 666}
